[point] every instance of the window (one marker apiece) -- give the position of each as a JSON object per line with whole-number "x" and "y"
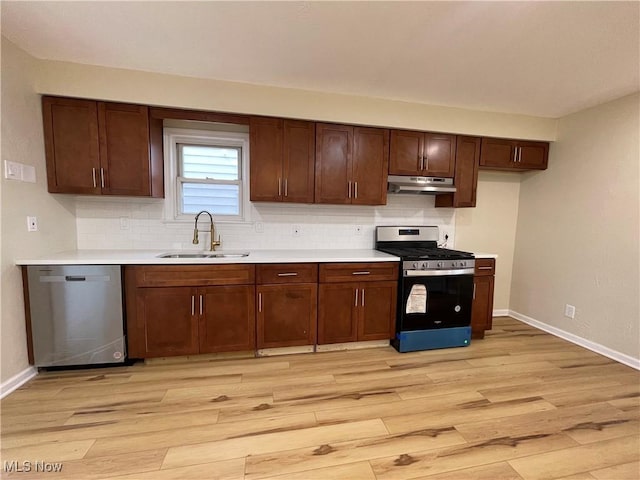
{"x": 205, "y": 170}
{"x": 210, "y": 178}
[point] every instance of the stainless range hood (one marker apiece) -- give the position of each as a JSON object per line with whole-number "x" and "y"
{"x": 420, "y": 185}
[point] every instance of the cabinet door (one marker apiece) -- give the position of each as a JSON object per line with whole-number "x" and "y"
{"x": 337, "y": 313}
{"x": 377, "y": 317}
{"x": 439, "y": 155}
{"x": 482, "y": 307}
{"x": 406, "y": 152}
{"x": 124, "y": 149}
{"x": 286, "y": 315}
{"x": 168, "y": 319}
{"x": 227, "y": 318}
{"x": 71, "y": 145}
{"x": 370, "y": 166}
{"x": 265, "y": 175}
{"x": 299, "y": 161}
{"x": 333, "y": 163}
{"x": 533, "y": 155}
{"x": 466, "y": 175}
{"x": 497, "y": 154}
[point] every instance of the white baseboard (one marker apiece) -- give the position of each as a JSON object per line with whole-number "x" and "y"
{"x": 17, "y": 381}
{"x": 583, "y": 342}
{"x": 501, "y": 312}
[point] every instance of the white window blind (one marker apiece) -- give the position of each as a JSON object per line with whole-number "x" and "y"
{"x": 209, "y": 178}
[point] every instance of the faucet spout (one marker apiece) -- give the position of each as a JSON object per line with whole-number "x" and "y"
{"x": 214, "y": 243}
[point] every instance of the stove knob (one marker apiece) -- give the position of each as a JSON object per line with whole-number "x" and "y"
{"x": 440, "y": 264}
{"x": 416, "y": 265}
{"x": 462, "y": 264}
{"x": 424, "y": 265}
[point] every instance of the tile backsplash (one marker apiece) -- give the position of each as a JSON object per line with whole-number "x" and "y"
{"x": 123, "y": 223}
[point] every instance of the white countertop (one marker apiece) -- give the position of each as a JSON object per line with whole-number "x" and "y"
{"x": 146, "y": 257}
{"x": 485, "y": 255}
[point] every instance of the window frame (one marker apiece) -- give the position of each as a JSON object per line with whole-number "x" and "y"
{"x": 172, "y": 138}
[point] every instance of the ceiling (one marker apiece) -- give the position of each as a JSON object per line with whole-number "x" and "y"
{"x": 538, "y": 58}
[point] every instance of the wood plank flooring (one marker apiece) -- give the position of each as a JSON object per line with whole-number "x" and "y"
{"x": 520, "y": 405}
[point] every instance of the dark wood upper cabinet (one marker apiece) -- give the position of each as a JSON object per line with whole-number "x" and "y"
{"x": 466, "y": 175}
{"x": 124, "y": 149}
{"x": 71, "y": 145}
{"x": 504, "y": 154}
{"x": 370, "y": 162}
{"x": 100, "y": 148}
{"x": 420, "y": 153}
{"x": 351, "y": 164}
{"x": 282, "y": 160}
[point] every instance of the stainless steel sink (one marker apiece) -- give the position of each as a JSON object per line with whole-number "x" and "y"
{"x": 204, "y": 255}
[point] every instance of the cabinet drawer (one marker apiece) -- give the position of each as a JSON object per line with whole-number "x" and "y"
{"x": 358, "y": 272}
{"x": 194, "y": 275}
{"x": 485, "y": 266}
{"x": 287, "y": 273}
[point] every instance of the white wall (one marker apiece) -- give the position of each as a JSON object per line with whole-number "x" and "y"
{"x": 578, "y": 230}
{"x": 22, "y": 141}
{"x": 491, "y": 226}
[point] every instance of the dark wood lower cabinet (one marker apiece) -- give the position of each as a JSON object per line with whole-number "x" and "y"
{"x": 482, "y": 307}
{"x": 349, "y": 312}
{"x": 286, "y": 315}
{"x": 165, "y": 322}
{"x": 226, "y": 318}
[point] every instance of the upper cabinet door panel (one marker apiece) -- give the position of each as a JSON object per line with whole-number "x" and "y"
{"x": 533, "y": 155}
{"x": 406, "y": 152}
{"x": 466, "y": 175}
{"x": 71, "y": 145}
{"x": 439, "y": 156}
{"x": 299, "y": 161}
{"x": 497, "y": 153}
{"x": 265, "y": 165}
{"x": 124, "y": 149}
{"x": 370, "y": 166}
{"x": 333, "y": 163}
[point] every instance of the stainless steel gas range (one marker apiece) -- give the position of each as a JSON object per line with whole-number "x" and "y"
{"x": 435, "y": 289}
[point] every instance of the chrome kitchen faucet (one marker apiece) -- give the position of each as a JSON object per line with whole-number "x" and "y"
{"x": 214, "y": 243}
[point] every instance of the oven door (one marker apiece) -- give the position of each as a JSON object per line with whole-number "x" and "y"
{"x": 431, "y": 302}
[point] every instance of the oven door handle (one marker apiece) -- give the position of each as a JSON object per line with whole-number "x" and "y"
{"x": 438, "y": 273}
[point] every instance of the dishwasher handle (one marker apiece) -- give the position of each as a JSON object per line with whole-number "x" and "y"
{"x": 74, "y": 278}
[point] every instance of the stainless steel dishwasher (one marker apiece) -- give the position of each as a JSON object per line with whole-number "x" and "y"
{"x": 76, "y": 314}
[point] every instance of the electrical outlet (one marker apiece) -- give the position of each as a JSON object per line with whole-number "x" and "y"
{"x": 358, "y": 230}
{"x": 569, "y": 311}
{"x": 296, "y": 230}
{"x": 32, "y": 224}
{"x": 12, "y": 170}
{"x": 124, "y": 223}
{"x": 259, "y": 226}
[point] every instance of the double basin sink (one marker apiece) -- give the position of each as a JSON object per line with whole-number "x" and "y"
{"x": 205, "y": 255}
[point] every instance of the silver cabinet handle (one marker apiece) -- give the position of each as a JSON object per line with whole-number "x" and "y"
{"x": 93, "y": 174}
{"x": 485, "y": 268}
{"x": 260, "y": 302}
{"x": 286, "y": 187}
{"x": 102, "y": 177}
{"x": 349, "y": 190}
{"x": 356, "y": 302}
{"x": 519, "y": 154}
{"x": 362, "y": 301}
{"x": 356, "y": 189}
{"x": 421, "y": 158}
{"x": 474, "y": 291}
{"x": 288, "y": 274}
{"x": 515, "y": 154}
{"x": 426, "y": 163}
{"x": 360, "y": 273}
{"x": 201, "y": 303}
{"x": 279, "y": 187}
{"x": 193, "y": 305}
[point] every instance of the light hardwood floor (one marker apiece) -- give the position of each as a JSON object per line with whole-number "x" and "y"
{"x": 520, "y": 404}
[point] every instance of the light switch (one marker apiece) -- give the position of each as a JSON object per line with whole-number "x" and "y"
{"x": 12, "y": 170}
